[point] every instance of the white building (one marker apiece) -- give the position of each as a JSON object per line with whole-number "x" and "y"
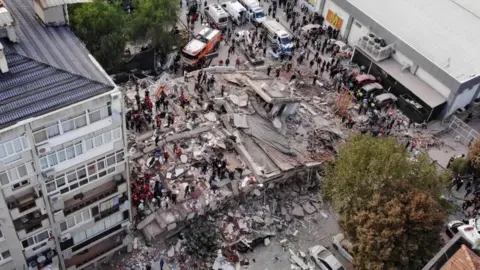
{"x": 434, "y": 49}
{"x": 64, "y": 196}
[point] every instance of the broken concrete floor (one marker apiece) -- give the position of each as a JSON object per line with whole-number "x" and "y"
{"x": 273, "y": 212}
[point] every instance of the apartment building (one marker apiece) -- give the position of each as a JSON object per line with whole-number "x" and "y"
{"x": 64, "y": 193}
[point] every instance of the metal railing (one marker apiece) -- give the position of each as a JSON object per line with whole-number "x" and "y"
{"x": 462, "y": 132}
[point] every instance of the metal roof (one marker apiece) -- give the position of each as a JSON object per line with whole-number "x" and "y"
{"x": 5, "y": 17}
{"x": 55, "y": 3}
{"x": 49, "y": 68}
{"x": 31, "y": 88}
{"x": 443, "y": 31}
{"x": 54, "y": 46}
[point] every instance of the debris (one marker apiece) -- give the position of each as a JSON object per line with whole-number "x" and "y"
{"x": 267, "y": 241}
{"x": 309, "y": 208}
{"x": 171, "y": 252}
{"x": 323, "y": 214}
{"x": 277, "y": 123}
{"x": 257, "y": 192}
{"x": 211, "y": 117}
{"x": 297, "y": 260}
{"x": 258, "y": 220}
{"x": 298, "y": 211}
{"x": 240, "y": 120}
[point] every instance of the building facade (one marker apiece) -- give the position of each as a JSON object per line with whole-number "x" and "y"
{"x": 431, "y": 65}
{"x": 64, "y": 198}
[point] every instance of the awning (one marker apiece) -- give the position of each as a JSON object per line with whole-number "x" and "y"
{"x": 418, "y": 87}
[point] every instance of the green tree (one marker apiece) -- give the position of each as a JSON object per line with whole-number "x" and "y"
{"x": 364, "y": 165}
{"x": 153, "y": 21}
{"x": 459, "y": 166}
{"x": 103, "y": 27}
{"x": 398, "y": 229}
{"x": 474, "y": 155}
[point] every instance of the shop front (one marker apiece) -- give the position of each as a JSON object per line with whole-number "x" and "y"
{"x": 416, "y": 99}
{"x": 335, "y": 16}
{"x": 312, "y": 5}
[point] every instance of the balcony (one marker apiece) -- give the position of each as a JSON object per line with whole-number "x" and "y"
{"x": 110, "y": 244}
{"x": 80, "y": 201}
{"x": 41, "y": 259}
{"x": 25, "y": 205}
{"x": 30, "y": 222}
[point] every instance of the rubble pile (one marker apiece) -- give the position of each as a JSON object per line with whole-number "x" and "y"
{"x": 267, "y": 215}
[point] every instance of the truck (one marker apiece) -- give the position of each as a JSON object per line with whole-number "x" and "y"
{"x": 278, "y": 35}
{"x": 201, "y": 48}
{"x": 255, "y": 13}
{"x": 238, "y": 13}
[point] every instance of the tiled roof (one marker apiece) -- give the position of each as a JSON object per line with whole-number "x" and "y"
{"x": 31, "y": 88}
{"x": 444, "y": 31}
{"x": 55, "y": 46}
{"x": 464, "y": 259}
{"x": 49, "y": 68}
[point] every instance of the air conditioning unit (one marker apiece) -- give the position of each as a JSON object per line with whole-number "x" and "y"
{"x": 67, "y": 254}
{"x": 116, "y": 96}
{"x": 65, "y": 237}
{"x": 43, "y": 149}
{"x": 49, "y": 175}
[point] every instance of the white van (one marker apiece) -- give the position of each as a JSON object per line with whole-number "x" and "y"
{"x": 216, "y": 16}
{"x": 255, "y": 13}
{"x": 237, "y": 12}
{"x": 279, "y": 36}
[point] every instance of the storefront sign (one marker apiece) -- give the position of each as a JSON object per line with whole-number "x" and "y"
{"x": 334, "y": 19}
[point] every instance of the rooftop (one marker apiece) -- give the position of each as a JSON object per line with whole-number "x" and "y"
{"x": 464, "y": 259}
{"x": 49, "y": 68}
{"x": 436, "y": 33}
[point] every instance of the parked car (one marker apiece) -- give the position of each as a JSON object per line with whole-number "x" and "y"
{"x": 343, "y": 246}
{"x": 452, "y": 227}
{"x": 469, "y": 232}
{"x": 364, "y": 79}
{"x": 371, "y": 89}
{"x": 324, "y": 258}
{"x": 385, "y": 99}
{"x": 343, "y": 47}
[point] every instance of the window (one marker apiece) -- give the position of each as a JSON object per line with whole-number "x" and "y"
{"x": 53, "y": 131}
{"x": 98, "y": 227}
{"x": 80, "y": 121}
{"x": 99, "y": 114}
{"x": 4, "y": 178}
{"x": 20, "y": 184}
{"x": 40, "y": 136}
{"x": 77, "y": 149}
{"x": 68, "y": 125}
{"x": 1, "y": 234}
{"x": 11, "y": 150}
{"x": 75, "y": 220}
{"x": 73, "y": 179}
{"x": 36, "y": 239}
{"x": 16, "y": 174}
{"x": 94, "y": 116}
{"x": 4, "y": 256}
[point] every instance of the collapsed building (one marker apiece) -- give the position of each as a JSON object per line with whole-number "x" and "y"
{"x": 264, "y": 129}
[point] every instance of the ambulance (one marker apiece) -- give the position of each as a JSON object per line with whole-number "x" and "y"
{"x": 216, "y": 16}
{"x": 201, "y": 47}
